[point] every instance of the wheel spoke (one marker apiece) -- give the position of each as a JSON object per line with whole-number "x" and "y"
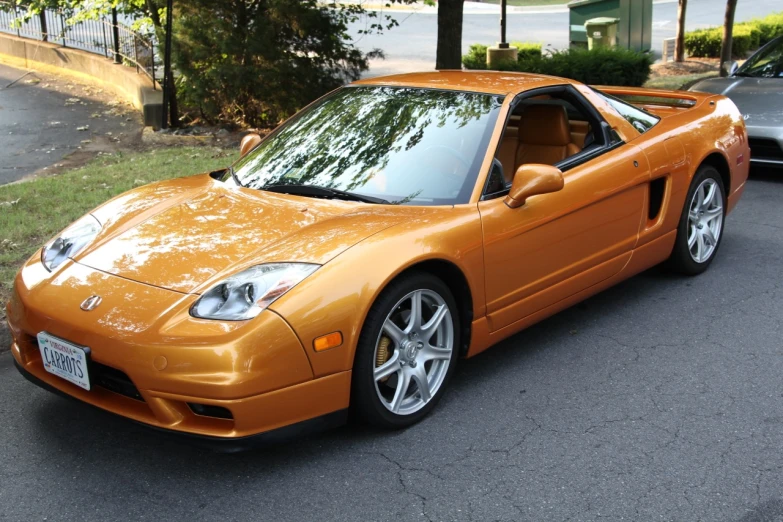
{"x": 692, "y": 238}
{"x": 709, "y": 215}
{"x": 709, "y": 237}
{"x": 420, "y": 376}
{"x": 432, "y": 325}
{"x": 430, "y": 353}
{"x": 393, "y": 331}
{"x": 414, "y": 323}
{"x": 403, "y": 382}
{"x": 389, "y": 367}
{"x": 700, "y": 198}
{"x": 713, "y": 188}
{"x": 699, "y": 246}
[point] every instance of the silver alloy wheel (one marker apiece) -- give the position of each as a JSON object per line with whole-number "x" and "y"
{"x": 419, "y": 341}
{"x": 705, "y": 220}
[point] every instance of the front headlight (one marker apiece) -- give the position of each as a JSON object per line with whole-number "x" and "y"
{"x": 70, "y": 242}
{"x": 246, "y": 294}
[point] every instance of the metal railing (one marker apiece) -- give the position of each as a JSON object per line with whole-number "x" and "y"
{"x": 104, "y": 36}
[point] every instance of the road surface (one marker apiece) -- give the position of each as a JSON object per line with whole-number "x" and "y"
{"x": 40, "y": 116}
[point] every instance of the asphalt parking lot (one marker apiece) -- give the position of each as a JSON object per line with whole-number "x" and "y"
{"x": 660, "y": 399}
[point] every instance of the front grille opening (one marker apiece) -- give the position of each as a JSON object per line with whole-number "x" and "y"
{"x": 113, "y": 380}
{"x": 206, "y": 410}
{"x": 762, "y": 148}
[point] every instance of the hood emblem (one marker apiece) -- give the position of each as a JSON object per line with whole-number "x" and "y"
{"x": 91, "y": 303}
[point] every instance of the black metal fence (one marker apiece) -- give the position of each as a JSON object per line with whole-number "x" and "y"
{"x": 104, "y": 36}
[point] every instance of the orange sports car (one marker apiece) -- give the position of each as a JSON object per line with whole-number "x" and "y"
{"x": 350, "y": 258}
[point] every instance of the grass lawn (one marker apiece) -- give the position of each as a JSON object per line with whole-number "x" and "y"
{"x": 679, "y": 82}
{"x": 31, "y": 213}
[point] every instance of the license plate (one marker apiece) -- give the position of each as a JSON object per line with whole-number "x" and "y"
{"x": 65, "y": 360}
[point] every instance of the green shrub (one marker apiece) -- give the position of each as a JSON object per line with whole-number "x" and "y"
{"x": 599, "y": 66}
{"x": 477, "y": 55}
{"x": 527, "y": 50}
{"x": 769, "y": 27}
{"x": 704, "y": 43}
{"x": 476, "y": 58}
{"x": 747, "y": 36}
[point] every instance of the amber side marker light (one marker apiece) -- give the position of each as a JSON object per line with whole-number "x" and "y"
{"x": 327, "y": 341}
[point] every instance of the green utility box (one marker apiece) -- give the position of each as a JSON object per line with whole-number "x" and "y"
{"x": 601, "y": 32}
{"x": 634, "y": 29}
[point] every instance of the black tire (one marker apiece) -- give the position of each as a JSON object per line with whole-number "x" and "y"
{"x": 365, "y": 400}
{"x": 681, "y": 260}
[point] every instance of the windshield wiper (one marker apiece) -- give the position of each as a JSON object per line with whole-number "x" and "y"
{"x": 234, "y": 176}
{"x": 743, "y": 75}
{"x": 320, "y": 192}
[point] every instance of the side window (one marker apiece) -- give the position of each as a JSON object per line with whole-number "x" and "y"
{"x": 496, "y": 182}
{"x": 553, "y": 126}
{"x": 642, "y": 121}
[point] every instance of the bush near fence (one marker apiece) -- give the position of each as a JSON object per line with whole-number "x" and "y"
{"x": 598, "y": 66}
{"x": 746, "y": 37}
{"x": 477, "y": 55}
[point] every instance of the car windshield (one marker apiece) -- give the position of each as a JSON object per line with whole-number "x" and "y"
{"x": 767, "y": 63}
{"x": 397, "y": 145}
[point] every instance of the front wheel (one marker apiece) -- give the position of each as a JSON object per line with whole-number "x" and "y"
{"x": 701, "y": 224}
{"x": 406, "y": 353}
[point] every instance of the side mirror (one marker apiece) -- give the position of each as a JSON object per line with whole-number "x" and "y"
{"x": 733, "y": 68}
{"x": 531, "y": 180}
{"x": 249, "y": 143}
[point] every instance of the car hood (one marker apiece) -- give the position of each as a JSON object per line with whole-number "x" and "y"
{"x": 184, "y": 234}
{"x": 760, "y": 100}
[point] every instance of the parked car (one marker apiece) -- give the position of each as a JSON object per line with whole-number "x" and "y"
{"x": 354, "y": 254}
{"x": 757, "y": 89}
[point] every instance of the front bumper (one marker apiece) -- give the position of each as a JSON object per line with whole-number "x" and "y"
{"x": 229, "y": 444}
{"x": 160, "y": 361}
{"x": 766, "y": 146}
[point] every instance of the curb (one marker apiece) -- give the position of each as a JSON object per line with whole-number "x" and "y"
{"x": 85, "y": 67}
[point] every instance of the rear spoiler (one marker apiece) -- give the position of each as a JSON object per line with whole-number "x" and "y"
{"x": 657, "y": 97}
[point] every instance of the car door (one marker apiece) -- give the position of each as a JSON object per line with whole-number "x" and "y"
{"x": 558, "y": 244}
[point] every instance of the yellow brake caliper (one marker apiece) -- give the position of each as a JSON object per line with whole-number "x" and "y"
{"x": 382, "y": 355}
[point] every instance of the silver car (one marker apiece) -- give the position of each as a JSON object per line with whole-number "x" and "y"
{"x": 757, "y": 89}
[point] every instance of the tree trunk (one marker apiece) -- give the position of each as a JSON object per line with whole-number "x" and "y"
{"x": 152, "y": 10}
{"x": 679, "y": 40}
{"x": 173, "y": 107}
{"x": 728, "y": 29}
{"x": 449, "y": 54}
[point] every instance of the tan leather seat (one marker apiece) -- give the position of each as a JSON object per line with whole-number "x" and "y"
{"x": 579, "y": 131}
{"x": 544, "y": 135}
{"x": 507, "y": 152}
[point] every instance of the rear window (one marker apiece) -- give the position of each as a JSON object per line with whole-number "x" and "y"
{"x": 641, "y": 120}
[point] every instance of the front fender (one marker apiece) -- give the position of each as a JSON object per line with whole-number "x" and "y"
{"x": 339, "y": 295}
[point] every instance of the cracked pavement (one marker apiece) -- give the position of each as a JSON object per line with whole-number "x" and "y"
{"x": 659, "y": 399}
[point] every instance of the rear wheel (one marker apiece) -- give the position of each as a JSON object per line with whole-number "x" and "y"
{"x": 701, "y": 224}
{"x": 406, "y": 353}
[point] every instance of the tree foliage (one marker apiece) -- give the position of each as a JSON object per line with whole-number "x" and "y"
{"x": 250, "y": 61}
{"x": 259, "y": 61}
